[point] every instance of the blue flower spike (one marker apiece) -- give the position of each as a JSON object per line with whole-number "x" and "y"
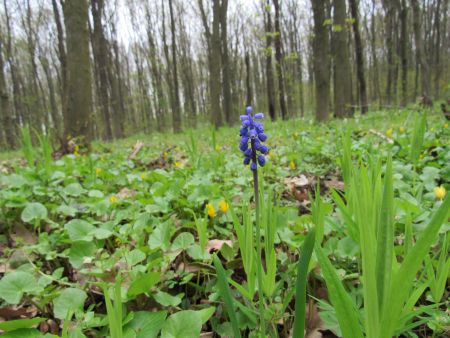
{"x": 253, "y": 131}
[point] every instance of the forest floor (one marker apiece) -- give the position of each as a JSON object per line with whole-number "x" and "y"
{"x": 140, "y": 219}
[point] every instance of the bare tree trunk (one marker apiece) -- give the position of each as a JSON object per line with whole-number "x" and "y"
{"x": 248, "y": 84}
{"x": 359, "y": 52}
{"x": 77, "y": 119}
{"x": 321, "y": 59}
{"x": 279, "y": 60}
{"x": 342, "y": 71}
{"x": 403, "y": 52}
{"x": 420, "y": 53}
{"x": 269, "y": 70}
{"x": 99, "y": 46}
{"x": 6, "y": 114}
{"x": 226, "y": 88}
{"x": 176, "y": 113}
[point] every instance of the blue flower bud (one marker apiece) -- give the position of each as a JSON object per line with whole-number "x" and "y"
{"x": 244, "y": 117}
{"x": 263, "y": 149}
{"x": 253, "y": 166}
{"x": 262, "y": 137}
{"x": 261, "y": 160}
{"x": 243, "y": 146}
{"x": 243, "y": 131}
{"x": 248, "y": 152}
{"x": 252, "y": 133}
{"x": 246, "y": 160}
{"x": 259, "y": 116}
{"x": 249, "y": 110}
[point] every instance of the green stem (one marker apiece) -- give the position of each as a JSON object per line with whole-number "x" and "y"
{"x": 258, "y": 244}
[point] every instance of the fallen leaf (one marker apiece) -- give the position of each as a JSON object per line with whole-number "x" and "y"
{"x": 216, "y": 244}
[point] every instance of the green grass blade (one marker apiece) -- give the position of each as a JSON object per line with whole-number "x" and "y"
{"x": 403, "y": 279}
{"x": 346, "y": 311}
{"x": 300, "y": 293}
{"x": 226, "y": 295}
{"x": 385, "y": 238}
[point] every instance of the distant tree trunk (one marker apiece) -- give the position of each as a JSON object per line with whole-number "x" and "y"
{"x": 248, "y": 84}
{"x": 51, "y": 92}
{"x": 226, "y": 88}
{"x": 373, "y": 42}
{"x": 215, "y": 66}
{"x": 279, "y": 59}
{"x": 176, "y": 113}
{"x": 61, "y": 56}
{"x": 321, "y": 59}
{"x": 403, "y": 51}
{"x": 420, "y": 53}
{"x": 117, "y": 97}
{"x": 359, "y": 53}
{"x": 100, "y": 49}
{"x": 77, "y": 117}
{"x": 342, "y": 71}
{"x": 269, "y": 70}
{"x": 6, "y": 114}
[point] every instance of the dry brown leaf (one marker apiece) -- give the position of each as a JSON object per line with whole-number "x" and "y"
{"x": 126, "y": 193}
{"x": 216, "y": 244}
{"x": 136, "y": 148}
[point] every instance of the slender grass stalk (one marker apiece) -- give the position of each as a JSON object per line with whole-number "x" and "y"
{"x": 226, "y": 295}
{"x": 258, "y": 243}
{"x": 300, "y": 293}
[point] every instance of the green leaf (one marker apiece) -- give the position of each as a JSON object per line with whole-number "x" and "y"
{"x": 80, "y": 230}
{"x": 20, "y": 324}
{"x": 345, "y": 308}
{"x": 74, "y": 189}
{"x": 134, "y": 257}
{"x": 183, "y": 241}
{"x": 79, "y": 251}
{"x": 143, "y": 284}
{"x": 206, "y": 313}
{"x": 147, "y": 324}
{"x": 23, "y": 333}
{"x": 96, "y": 194}
{"x": 302, "y": 274}
{"x": 166, "y": 299}
{"x": 183, "y": 324}
{"x": 70, "y": 300}
{"x": 34, "y": 211}
{"x": 15, "y": 284}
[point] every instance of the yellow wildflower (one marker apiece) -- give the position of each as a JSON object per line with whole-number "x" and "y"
{"x": 218, "y": 148}
{"x": 98, "y": 171}
{"x": 295, "y": 136}
{"x": 165, "y": 156}
{"x": 76, "y": 150}
{"x": 389, "y": 133}
{"x": 422, "y": 156}
{"x": 113, "y": 199}
{"x": 223, "y": 206}
{"x": 446, "y": 125}
{"x": 143, "y": 176}
{"x": 402, "y": 130}
{"x": 178, "y": 164}
{"x": 440, "y": 192}
{"x": 292, "y": 165}
{"x": 211, "y": 210}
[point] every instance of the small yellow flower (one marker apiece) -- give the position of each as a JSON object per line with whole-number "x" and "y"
{"x": 422, "y": 156}
{"x": 211, "y": 211}
{"x": 402, "y": 130}
{"x": 440, "y": 192}
{"x": 223, "y": 206}
{"x": 292, "y": 165}
{"x": 76, "y": 150}
{"x": 218, "y": 148}
{"x": 143, "y": 176}
{"x": 446, "y": 125}
{"x": 389, "y": 133}
{"x": 113, "y": 199}
{"x": 98, "y": 171}
{"x": 178, "y": 164}
{"x": 165, "y": 156}
{"x": 296, "y": 136}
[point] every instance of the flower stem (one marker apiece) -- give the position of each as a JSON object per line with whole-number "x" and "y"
{"x": 258, "y": 243}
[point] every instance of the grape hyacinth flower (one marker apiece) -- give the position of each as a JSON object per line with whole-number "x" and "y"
{"x": 253, "y": 131}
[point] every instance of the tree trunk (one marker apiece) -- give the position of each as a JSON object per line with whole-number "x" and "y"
{"x": 226, "y": 88}
{"x": 248, "y": 84}
{"x": 279, "y": 60}
{"x": 403, "y": 52}
{"x": 342, "y": 71}
{"x": 269, "y": 70}
{"x": 6, "y": 114}
{"x": 78, "y": 116}
{"x": 176, "y": 113}
{"x": 359, "y": 53}
{"x": 321, "y": 59}
{"x": 420, "y": 53}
